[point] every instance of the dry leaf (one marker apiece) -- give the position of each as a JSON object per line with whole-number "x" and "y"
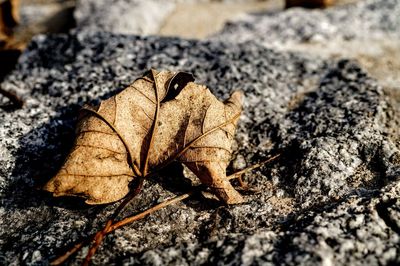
{"x": 9, "y": 17}
{"x": 161, "y": 117}
{"x": 10, "y": 48}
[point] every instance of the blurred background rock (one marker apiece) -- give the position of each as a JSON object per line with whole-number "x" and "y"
{"x": 202, "y": 19}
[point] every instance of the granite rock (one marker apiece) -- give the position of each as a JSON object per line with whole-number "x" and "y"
{"x": 331, "y": 198}
{"x": 361, "y": 19}
{"x": 367, "y": 31}
{"x": 122, "y": 16}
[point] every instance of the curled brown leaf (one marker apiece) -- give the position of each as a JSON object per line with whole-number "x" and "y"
{"x": 160, "y": 118}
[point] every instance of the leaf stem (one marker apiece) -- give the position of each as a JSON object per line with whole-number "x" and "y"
{"x": 101, "y": 234}
{"x": 114, "y": 226}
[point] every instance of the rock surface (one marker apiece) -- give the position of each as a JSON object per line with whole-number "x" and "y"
{"x": 368, "y": 31}
{"x": 122, "y": 16}
{"x": 331, "y": 198}
{"x": 359, "y": 20}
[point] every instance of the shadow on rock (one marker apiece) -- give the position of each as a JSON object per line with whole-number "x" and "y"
{"x": 40, "y": 154}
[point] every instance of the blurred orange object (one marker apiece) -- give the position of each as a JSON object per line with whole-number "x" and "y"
{"x": 9, "y": 15}
{"x": 9, "y": 18}
{"x": 309, "y": 3}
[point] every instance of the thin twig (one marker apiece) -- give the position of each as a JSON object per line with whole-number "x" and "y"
{"x": 149, "y": 211}
{"x": 101, "y": 234}
{"x": 60, "y": 260}
{"x": 145, "y": 213}
{"x": 176, "y": 199}
{"x": 96, "y": 243}
{"x": 252, "y": 167}
{"x": 242, "y": 184}
{"x": 123, "y": 222}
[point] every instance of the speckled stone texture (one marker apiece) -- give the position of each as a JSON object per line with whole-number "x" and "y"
{"x": 333, "y": 197}
{"x": 122, "y": 16}
{"x": 361, "y": 19}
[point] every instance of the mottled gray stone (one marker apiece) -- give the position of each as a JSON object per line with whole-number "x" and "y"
{"x": 122, "y": 16}
{"x": 362, "y": 19}
{"x": 332, "y": 197}
{"x": 367, "y": 31}
{"x": 354, "y": 231}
